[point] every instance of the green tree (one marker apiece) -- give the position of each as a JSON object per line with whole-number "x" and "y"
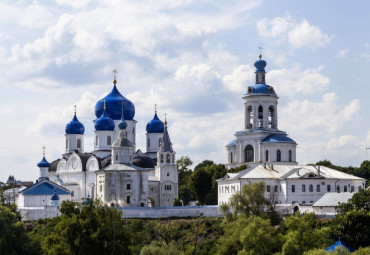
{"x": 177, "y": 202}
{"x": 302, "y": 232}
{"x": 359, "y": 200}
{"x": 201, "y": 184}
{"x": 92, "y": 228}
{"x": 13, "y": 236}
{"x": 183, "y": 163}
{"x": 160, "y": 248}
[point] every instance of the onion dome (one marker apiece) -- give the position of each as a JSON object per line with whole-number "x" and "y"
{"x": 113, "y": 102}
{"x": 75, "y": 127}
{"x": 260, "y": 65}
{"x": 104, "y": 123}
{"x": 43, "y": 163}
{"x": 155, "y": 125}
{"x": 122, "y": 124}
{"x": 55, "y": 196}
{"x": 231, "y": 143}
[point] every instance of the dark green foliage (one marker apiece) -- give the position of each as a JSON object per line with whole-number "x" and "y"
{"x": 177, "y": 202}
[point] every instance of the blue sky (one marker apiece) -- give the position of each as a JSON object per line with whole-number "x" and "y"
{"x": 192, "y": 58}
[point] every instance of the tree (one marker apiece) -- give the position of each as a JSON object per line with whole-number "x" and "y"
{"x": 183, "y": 163}
{"x": 177, "y": 202}
{"x": 359, "y": 200}
{"x": 88, "y": 228}
{"x": 13, "y": 236}
{"x": 201, "y": 184}
{"x": 160, "y": 248}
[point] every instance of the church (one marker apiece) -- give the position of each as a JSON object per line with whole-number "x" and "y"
{"x": 115, "y": 171}
{"x": 271, "y": 155}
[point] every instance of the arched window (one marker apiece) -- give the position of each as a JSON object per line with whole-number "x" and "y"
{"x": 278, "y": 155}
{"x": 231, "y": 157}
{"x": 159, "y": 142}
{"x": 109, "y": 140}
{"x": 78, "y": 143}
{"x": 66, "y": 143}
{"x": 290, "y": 155}
{"x": 271, "y": 114}
{"x": 72, "y": 193}
{"x": 260, "y": 116}
{"x": 173, "y": 158}
{"x": 161, "y": 158}
{"x": 249, "y": 120}
{"x": 116, "y": 157}
{"x": 168, "y": 158}
{"x": 310, "y": 188}
{"x": 148, "y": 143}
{"x": 267, "y": 155}
{"x": 96, "y": 141}
{"x": 249, "y": 153}
{"x": 303, "y": 188}
{"x": 318, "y": 188}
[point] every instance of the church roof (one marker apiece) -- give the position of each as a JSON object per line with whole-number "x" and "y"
{"x": 155, "y": 125}
{"x": 44, "y": 187}
{"x": 333, "y": 199}
{"x": 143, "y": 161}
{"x": 338, "y": 244}
{"x": 289, "y": 172}
{"x": 166, "y": 144}
{"x": 125, "y": 166}
{"x": 278, "y": 139}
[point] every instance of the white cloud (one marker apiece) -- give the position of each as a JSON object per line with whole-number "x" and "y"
{"x": 341, "y": 142}
{"x": 297, "y": 34}
{"x": 238, "y": 80}
{"x": 341, "y": 53}
{"x": 36, "y": 16}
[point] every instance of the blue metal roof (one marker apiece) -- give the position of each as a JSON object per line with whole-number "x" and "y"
{"x": 231, "y": 143}
{"x": 43, "y": 163}
{"x": 104, "y": 123}
{"x": 278, "y": 139}
{"x": 155, "y": 125}
{"x": 261, "y": 88}
{"x": 75, "y": 127}
{"x": 260, "y": 65}
{"x": 114, "y": 107}
{"x": 44, "y": 188}
{"x": 338, "y": 244}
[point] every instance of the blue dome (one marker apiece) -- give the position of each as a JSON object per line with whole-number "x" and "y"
{"x": 54, "y": 196}
{"x": 261, "y": 89}
{"x": 155, "y": 125}
{"x": 231, "y": 143}
{"x": 122, "y": 124}
{"x": 113, "y": 105}
{"x": 104, "y": 123}
{"x": 75, "y": 127}
{"x": 278, "y": 139}
{"x": 260, "y": 65}
{"x": 43, "y": 163}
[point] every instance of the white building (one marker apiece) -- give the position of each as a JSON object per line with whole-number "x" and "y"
{"x": 271, "y": 155}
{"x": 114, "y": 171}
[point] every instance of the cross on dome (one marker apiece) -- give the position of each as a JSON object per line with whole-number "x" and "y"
{"x": 43, "y": 150}
{"x": 165, "y": 118}
{"x": 155, "y": 108}
{"x": 115, "y": 76}
{"x": 75, "y": 107}
{"x": 104, "y": 105}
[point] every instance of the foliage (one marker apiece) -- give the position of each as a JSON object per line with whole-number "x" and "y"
{"x": 160, "y": 248}
{"x": 91, "y": 228}
{"x": 13, "y": 236}
{"x": 177, "y": 202}
{"x": 303, "y": 232}
{"x": 201, "y": 183}
{"x": 359, "y": 200}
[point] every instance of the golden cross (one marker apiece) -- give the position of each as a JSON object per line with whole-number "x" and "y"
{"x": 155, "y": 108}
{"x": 104, "y": 105}
{"x": 165, "y": 117}
{"x": 43, "y": 149}
{"x": 114, "y": 76}
{"x": 260, "y": 56}
{"x": 75, "y": 106}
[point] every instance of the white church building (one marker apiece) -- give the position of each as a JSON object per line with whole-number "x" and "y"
{"x": 271, "y": 155}
{"x": 115, "y": 171}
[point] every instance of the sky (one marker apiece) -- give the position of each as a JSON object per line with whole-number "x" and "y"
{"x": 192, "y": 58}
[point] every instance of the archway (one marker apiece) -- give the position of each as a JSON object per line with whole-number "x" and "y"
{"x": 151, "y": 202}
{"x": 249, "y": 153}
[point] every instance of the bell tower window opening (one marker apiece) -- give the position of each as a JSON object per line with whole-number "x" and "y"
{"x": 249, "y": 153}
{"x": 260, "y": 116}
{"x": 96, "y": 140}
{"x": 249, "y": 117}
{"x": 267, "y": 155}
{"x": 66, "y": 143}
{"x": 148, "y": 143}
{"x": 290, "y": 155}
{"x": 109, "y": 140}
{"x": 231, "y": 157}
{"x": 278, "y": 155}
{"x": 271, "y": 114}
{"x": 78, "y": 143}
{"x": 162, "y": 158}
{"x": 168, "y": 158}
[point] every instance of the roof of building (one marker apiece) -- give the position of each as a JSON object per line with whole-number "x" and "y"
{"x": 290, "y": 172}
{"x": 333, "y": 199}
{"x": 44, "y": 187}
{"x": 278, "y": 139}
{"x": 43, "y": 163}
{"x": 261, "y": 88}
{"x": 124, "y": 167}
{"x": 113, "y": 103}
{"x": 231, "y": 143}
{"x": 104, "y": 122}
{"x": 338, "y": 244}
{"x": 166, "y": 144}
{"x": 75, "y": 127}
{"x": 155, "y": 125}
{"x": 260, "y": 65}
{"x": 143, "y": 161}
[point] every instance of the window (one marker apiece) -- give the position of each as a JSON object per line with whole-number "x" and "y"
{"x": 311, "y": 202}
{"x": 148, "y": 143}
{"x": 318, "y": 188}
{"x": 271, "y": 117}
{"x": 268, "y": 188}
{"x": 276, "y": 188}
{"x": 231, "y": 157}
{"x": 290, "y": 156}
{"x": 303, "y": 202}
{"x": 249, "y": 153}
{"x": 161, "y": 158}
{"x": 338, "y": 188}
{"x": 109, "y": 140}
{"x": 260, "y": 116}
{"x": 128, "y": 199}
{"x": 159, "y": 142}
{"x": 303, "y": 188}
{"x": 128, "y": 186}
{"x": 168, "y": 159}
{"x": 173, "y": 158}
{"x": 328, "y": 188}
{"x": 101, "y": 188}
{"x": 142, "y": 204}
{"x": 78, "y": 143}
{"x": 249, "y": 117}
{"x": 96, "y": 141}
{"x": 310, "y": 188}
{"x": 168, "y": 174}
{"x": 66, "y": 143}
{"x": 73, "y": 193}
{"x": 345, "y": 188}
{"x": 352, "y": 188}
{"x": 293, "y": 188}
{"x": 267, "y": 155}
{"x": 278, "y": 155}
{"x": 116, "y": 157}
